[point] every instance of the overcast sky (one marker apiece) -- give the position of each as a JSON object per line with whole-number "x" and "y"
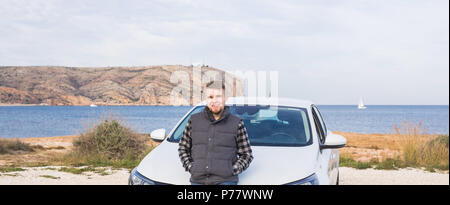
{"x": 330, "y": 52}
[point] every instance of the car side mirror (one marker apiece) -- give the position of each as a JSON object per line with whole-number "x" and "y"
{"x": 158, "y": 135}
{"x": 334, "y": 141}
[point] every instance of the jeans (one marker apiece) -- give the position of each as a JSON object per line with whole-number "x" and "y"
{"x": 223, "y": 183}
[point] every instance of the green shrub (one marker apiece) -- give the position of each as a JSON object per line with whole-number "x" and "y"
{"x": 386, "y": 164}
{"x": 96, "y": 160}
{"x": 435, "y": 153}
{"x": 441, "y": 139}
{"x": 110, "y": 141}
{"x": 50, "y": 176}
{"x": 11, "y": 169}
{"x": 350, "y": 162}
{"x": 390, "y": 164}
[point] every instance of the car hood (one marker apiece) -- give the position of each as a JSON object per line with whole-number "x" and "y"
{"x": 270, "y": 166}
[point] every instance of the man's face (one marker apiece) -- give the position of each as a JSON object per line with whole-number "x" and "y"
{"x": 215, "y": 100}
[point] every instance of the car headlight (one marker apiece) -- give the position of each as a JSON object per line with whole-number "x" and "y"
{"x": 137, "y": 179}
{"x": 311, "y": 180}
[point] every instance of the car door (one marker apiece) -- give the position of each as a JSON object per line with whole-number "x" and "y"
{"x": 326, "y": 155}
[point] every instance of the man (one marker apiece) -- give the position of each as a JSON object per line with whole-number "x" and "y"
{"x": 214, "y": 146}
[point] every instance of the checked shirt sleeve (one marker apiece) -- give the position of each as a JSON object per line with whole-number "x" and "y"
{"x": 244, "y": 150}
{"x": 184, "y": 147}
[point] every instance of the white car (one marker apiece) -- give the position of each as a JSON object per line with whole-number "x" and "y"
{"x": 289, "y": 139}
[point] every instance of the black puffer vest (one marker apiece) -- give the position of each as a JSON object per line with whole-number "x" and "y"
{"x": 214, "y": 147}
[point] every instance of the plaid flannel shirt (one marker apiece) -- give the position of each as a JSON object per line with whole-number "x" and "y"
{"x": 244, "y": 150}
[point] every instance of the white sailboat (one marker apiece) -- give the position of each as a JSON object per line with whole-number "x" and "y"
{"x": 361, "y": 104}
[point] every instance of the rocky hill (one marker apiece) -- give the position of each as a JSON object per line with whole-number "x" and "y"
{"x": 146, "y": 85}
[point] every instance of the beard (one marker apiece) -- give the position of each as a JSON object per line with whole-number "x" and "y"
{"x": 216, "y": 112}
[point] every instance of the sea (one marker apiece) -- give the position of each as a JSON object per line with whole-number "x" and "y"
{"x": 46, "y": 121}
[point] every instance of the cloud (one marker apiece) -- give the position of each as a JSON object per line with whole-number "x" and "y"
{"x": 370, "y": 48}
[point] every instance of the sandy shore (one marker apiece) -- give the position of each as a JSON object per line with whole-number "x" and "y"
{"x": 361, "y": 147}
{"x": 348, "y": 176}
{"x": 5, "y": 104}
{"x": 64, "y": 141}
{"x": 50, "y": 175}
{"x": 408, "y": 176}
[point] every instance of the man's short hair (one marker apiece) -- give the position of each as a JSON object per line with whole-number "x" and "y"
{"x": 215, "y": 85}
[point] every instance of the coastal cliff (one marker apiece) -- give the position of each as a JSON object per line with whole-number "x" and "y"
{"x": 143, "y": 85}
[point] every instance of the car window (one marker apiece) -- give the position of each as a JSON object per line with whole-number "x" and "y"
{"x": 267, "y": 125}
{"x": 322, "y": 122}
{"x": 176, "y": 136}
{"x": 319, "y": 129}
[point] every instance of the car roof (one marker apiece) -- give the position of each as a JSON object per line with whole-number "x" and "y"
{"x": 266, "y": 101}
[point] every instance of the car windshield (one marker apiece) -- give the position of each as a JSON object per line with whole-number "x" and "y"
{"x": 266, "y": 125}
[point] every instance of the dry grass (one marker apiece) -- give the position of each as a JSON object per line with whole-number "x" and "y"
{"x": 59, "y": 157}
{"x": 45, "y": 149}
{"x": 15, "y": 146}
{"x": 98, "y": 160}
{"x": 107, "y": 143}
{"x": 422, "y": 150}
{"x": 409, "y": 146}
{"x": 368, "y": 147}
{"x": 371, "y": 141}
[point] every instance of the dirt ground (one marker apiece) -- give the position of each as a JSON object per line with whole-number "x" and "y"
{"x": 408, "y": 176}
{"x": 50, "y": 175}
{"x": 361, "y": 147}
{"x": 364, "y": 147}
